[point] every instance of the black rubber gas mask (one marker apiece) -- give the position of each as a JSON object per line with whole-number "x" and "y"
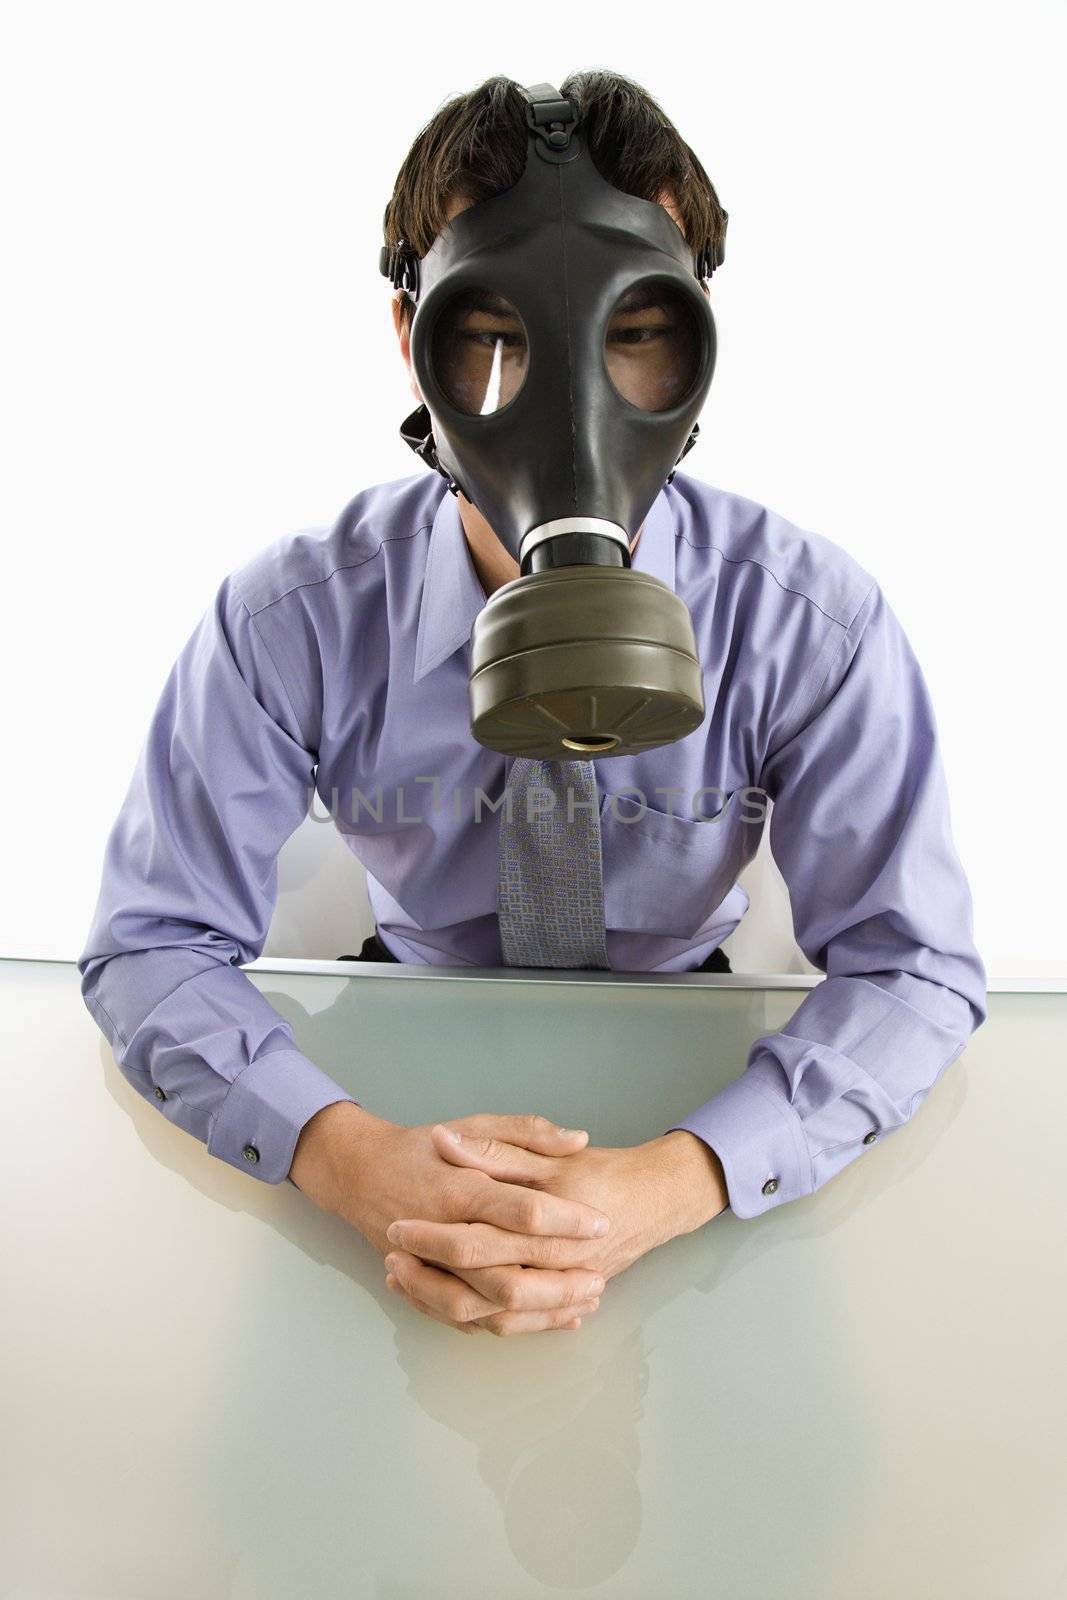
{"x": 564, "y": 348}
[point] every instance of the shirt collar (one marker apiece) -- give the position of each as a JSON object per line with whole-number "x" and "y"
{"x": 452, "y": 594}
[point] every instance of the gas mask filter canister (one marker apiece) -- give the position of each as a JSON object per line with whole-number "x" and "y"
{"x": 564, "y": 349}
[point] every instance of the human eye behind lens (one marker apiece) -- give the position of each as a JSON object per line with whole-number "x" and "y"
{"x": 489, "y": 337}
{"x": 636, "y": 335}
{"x": 649, "y": 333}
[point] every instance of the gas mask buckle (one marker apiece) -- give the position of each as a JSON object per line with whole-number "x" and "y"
{"x": 687, "y": 446}
{"x": 548, "y": 114}
{"x": 416, "y": 430}
{"x": 400, "y": 264}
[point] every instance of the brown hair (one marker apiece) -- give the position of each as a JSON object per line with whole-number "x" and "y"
{"x": 474, "y": 146}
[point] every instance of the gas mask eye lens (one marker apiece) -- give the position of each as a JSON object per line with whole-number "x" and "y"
{"x": 652, "y": 347}
{"x": 479, "y": 352}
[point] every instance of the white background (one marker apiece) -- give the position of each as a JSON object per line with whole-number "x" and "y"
{"x": 198, "y": 357}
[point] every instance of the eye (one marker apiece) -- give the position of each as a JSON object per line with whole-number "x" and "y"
{"x": 478, "y": 351}
{"x": 643, "y": 335}
{"x": 653, "y": 346}
{"x": 491, "y": 337}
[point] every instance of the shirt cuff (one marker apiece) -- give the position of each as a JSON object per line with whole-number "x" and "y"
{"x": 756, "y": 1134}
{"x": 268, "y": 1103}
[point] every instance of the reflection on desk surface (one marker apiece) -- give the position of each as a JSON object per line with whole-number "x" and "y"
{"x": 208, "y": 1390}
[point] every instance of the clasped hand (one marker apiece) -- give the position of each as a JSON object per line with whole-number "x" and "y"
{"x": 477, "y": 1276}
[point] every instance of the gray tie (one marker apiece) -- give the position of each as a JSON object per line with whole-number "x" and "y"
{"x": 551, "y": 891}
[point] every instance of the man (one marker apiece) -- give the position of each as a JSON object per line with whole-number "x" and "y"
{"x": 341, "y": 658}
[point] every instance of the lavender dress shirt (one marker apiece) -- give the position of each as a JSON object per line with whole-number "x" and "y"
{"x": 336, "y": 662}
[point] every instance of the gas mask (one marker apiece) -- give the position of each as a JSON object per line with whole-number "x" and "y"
{"x": 564, "y": 348}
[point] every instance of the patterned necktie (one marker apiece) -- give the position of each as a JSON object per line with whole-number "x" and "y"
{"x": 551, "y": 891}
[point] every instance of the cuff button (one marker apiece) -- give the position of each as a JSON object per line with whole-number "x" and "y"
{"x": 251, "y": 1154}
{"x": 159, "y": 1094}
{"x": 771, "y": 1186}
{"x": 869, "y": 1138}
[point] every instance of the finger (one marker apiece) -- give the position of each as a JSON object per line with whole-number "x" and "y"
{"x": 509, "y": 1287}
{"x": 446, "y": 1293}
{"x": 503, "y": 1288}
{"x": 529, "y": 1131}
{"x": 505, "y": 1322}
{"x": 419, "y": 1305}
{"x": 531, "y": 1289}
{"x": 469, "y": 1248}
{"x": 508, "y": 1322}
{"x": 489, "y": 1154}
{"x": 536, "y": 1211}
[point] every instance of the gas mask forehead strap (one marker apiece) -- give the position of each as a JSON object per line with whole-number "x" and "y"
{"x": 552, "y": 117}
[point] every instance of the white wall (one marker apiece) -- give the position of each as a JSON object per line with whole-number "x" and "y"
{"x": 199, "y": 357}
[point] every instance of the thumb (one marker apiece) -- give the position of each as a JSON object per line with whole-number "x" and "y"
{"x": 512, "y": 1148}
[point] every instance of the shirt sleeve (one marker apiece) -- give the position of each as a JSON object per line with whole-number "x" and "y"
{"x": 188, "y": 890}
{"x": 861, "y": 831}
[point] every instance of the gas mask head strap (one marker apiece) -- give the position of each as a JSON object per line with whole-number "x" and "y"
{"x": 550, "y": 116}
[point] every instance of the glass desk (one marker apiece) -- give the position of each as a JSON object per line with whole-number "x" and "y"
{"x": 208, "y": 1391}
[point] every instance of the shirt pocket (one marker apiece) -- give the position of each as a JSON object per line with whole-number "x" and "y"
{"x": 667, "y": 874}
